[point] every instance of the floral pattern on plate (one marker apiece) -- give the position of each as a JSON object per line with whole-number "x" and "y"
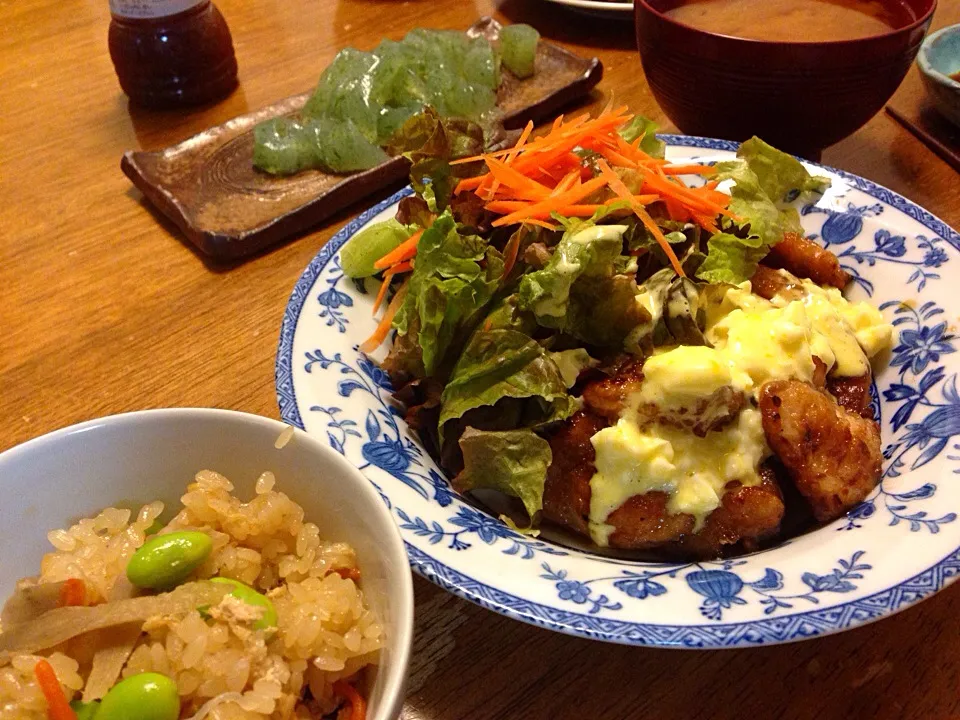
{"x": 899, "y": 546}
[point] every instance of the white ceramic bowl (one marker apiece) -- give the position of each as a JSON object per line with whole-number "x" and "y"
{"x": 134, "y": 458}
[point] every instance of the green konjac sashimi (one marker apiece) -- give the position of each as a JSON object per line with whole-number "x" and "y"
{"x": 363, "y": 98}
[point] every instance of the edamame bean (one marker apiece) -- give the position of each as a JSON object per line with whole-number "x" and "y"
{"x": 167, "y": 560}
{"x": 147, "y": 696}
{"x": 250, "y": 596}
{"x": 85, "y": 711}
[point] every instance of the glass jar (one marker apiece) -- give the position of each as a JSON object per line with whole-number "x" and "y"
{"x": 171, "y": 53}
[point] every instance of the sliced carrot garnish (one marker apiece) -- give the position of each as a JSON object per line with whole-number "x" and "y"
{"x": 358, "y": 706}
{"x": 540, "y": 177}
{"x": 553, "y": 203}
{"x": 73, "y": 593}
{"x": 616, "y": 184}
{"x": 541, "y": 223}
{"x": 404, "y": 251}
{"x": 387, "y": 277}
{"x": 383, "y": 328}
{"x": 522, "y": 185}
{"x": 58, "y": 708}
{"x": 468, "y": 184}
{"x": 693, "y": 169}
{"x": 567, "y": 182}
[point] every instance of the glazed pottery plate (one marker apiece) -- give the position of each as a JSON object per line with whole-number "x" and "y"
{"x": 208, "y": 187}
{"x": 898, "y": 547}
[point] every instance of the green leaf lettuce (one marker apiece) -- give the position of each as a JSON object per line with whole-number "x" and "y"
{"x": 447, "y": 288}
{"x": 585, "y": 250}
{"x": 505, "y": 363}
{"x": 765, "y": 181}
{"x": 646, "y": 128}
{"x": 513, "y": 462}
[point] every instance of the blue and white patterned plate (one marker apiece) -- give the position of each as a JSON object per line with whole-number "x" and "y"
{"x": 898, "y": 547}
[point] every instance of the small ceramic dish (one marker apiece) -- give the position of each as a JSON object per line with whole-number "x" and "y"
{"x": 939, "y": 58}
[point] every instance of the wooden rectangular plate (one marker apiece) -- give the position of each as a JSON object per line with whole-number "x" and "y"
{"x": 208, "y": 186}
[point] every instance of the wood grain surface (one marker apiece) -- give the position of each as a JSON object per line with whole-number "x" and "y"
{"x": 104, "y": 309}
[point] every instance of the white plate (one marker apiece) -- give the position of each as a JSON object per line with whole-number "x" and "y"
{"x": 610, "y": 10}
{"x": 898, "y": 547}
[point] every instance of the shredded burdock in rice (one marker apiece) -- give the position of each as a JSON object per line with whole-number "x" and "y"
{"x": 230, "y": 658}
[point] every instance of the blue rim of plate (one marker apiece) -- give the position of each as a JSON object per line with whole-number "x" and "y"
{"x": 796, "y": 627}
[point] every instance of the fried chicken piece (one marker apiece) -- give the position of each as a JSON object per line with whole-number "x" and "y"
{"x": 768, "y": 283}
{"x": 853, "y": 393}
{"x": 831, "y": 454}
{"x": 805, "y": 259}
{"x": 819, "y": 373}
{"x": 566, "y": 492}
{"x": 608, "y": 397}
{"x": 643, "y": 521}
{"x": 745, "y": 514}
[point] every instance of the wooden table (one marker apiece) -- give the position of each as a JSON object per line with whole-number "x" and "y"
{"x": 104, "y": 309}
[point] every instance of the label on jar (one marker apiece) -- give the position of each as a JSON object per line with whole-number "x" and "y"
{"x": 150, "y": 8}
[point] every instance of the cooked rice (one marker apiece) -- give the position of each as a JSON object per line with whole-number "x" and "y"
{"x": 224, "y": 669}
{"x": 284, "y": 438}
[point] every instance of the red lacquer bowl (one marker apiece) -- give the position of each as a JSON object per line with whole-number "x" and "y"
{"x": 800, "y": 97}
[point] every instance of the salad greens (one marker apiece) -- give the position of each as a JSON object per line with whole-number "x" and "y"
{"x": 505, "y": 363}
{"x": 496, "y": 324}
{"x": 764, "y": 180}
{"x": 585, "y": 250}
{"x": 641, "y": 127}
{"x": 364, "y": 98}
{"x": 448, "y": 287}
{"x": 514, "y": 462}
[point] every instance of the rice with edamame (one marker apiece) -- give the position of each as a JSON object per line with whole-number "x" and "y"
{"x": 224, "y": 667}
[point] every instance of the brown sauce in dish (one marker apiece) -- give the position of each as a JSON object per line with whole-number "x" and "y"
{"x": 794, "y": 20}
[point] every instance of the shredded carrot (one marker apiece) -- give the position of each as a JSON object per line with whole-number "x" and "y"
{"x": 616, "y": 184}
{"x": 383, "y": 328}
{"x": 688, "y": 169}
{"x": 676, "y": 209}
{"x": 404, "y": 251}
{"x": 554, "y": 203}
{"x": 706, "y": 222}
{"x": 358, "y": 706}
{"x": 538, "y": 178}
{"x": 510, "y": 251}
{"x": 468, "y": 184}
{"x": 524, "y": 136}
{"x": 57, "y": 706}
{"x": 73, "y": 592}
{"x": 567, "y": 182}
{"x": 518, "y": 182}
{"x": 688, "y": 196}
{"x": 387, "y": 277}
